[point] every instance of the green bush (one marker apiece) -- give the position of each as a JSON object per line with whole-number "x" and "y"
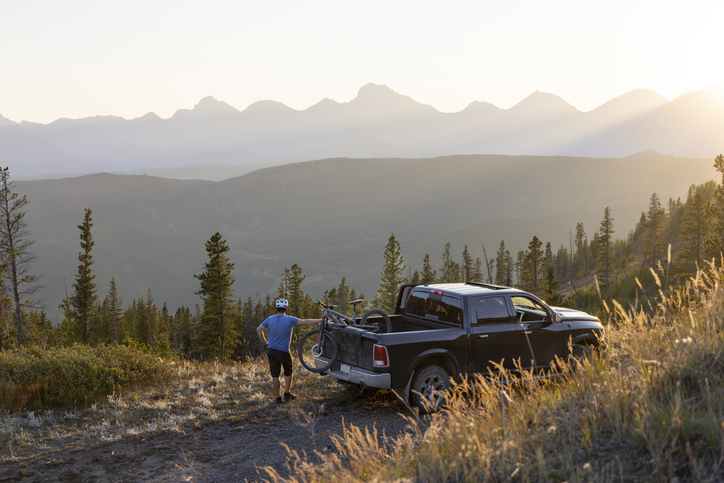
{"x": 32, "y": 378}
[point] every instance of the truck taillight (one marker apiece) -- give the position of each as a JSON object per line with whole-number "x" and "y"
{"x": 379, "y": 357}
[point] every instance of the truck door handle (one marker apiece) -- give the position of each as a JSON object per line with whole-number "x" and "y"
{"x": 483, "y": 336}
{"x": 527, "y": 332}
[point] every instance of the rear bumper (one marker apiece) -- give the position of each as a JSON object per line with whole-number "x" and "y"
{"x": 356, "y": 375}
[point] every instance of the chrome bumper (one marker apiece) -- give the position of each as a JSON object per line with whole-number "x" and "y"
{"x": 357, "y": 375}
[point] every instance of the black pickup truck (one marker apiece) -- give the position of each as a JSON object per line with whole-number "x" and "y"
{"x": 453, "y": 330}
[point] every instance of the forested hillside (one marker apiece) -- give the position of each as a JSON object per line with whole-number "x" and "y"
{"x": 671, "y": 239}
{"x": 332, "y": 217}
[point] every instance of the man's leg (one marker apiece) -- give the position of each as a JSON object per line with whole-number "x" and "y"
{"x": 287, "y": 383}
{"x": 276, "y": 385}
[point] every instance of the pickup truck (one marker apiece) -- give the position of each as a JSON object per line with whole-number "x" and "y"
{"x": 444, "y": 332}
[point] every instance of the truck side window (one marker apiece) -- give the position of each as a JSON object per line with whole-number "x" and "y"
{"x": 439, "y": 308}
{"x": 491, "y": 310}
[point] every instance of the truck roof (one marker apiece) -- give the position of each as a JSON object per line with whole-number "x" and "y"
{"x": 468, "y": 288}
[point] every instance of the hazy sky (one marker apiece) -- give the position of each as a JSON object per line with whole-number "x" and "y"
{"x": 73, "y": 58}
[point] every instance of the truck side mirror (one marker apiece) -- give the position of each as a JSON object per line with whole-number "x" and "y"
{"x": 557, "y": 317}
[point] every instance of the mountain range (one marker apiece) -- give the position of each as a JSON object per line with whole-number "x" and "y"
{"x": 216, "y": 141}
{"x": 332, "y": 217}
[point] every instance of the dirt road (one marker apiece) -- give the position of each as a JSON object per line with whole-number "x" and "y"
{"x": 234, "y": 449}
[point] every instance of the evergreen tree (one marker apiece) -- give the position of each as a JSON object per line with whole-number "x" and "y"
{"x": 478, "y": 271}
{"x": 551, "y": 294}
{"x": 82, "y": 304}
{"x": 391, "y": 275}
{"x": 415, "y": 278}
{"x": 580, "y": 255}
{"x": 428, "y": 272}
{"x": 533, "y": 264}
{"x": 113, "y": 308}
{"x": 450, "y": 268}
{"x": 519, "y": 269}
{"x": 502, "y": 269}
{"x": 217, "y": 332}
{"x": 467, "y": 267}
{"x": 695, "y": 227}
{"x": 15, "y": 243}
{"x": 655, "y": 218}
{"x": 293, "y": 279}
{"x": 605, "y": 239}
{"x": 714, "y": 244}
{"x": 343, "y": 297}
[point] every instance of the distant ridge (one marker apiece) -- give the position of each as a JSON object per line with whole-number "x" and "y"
{"x": 378, "y": 122}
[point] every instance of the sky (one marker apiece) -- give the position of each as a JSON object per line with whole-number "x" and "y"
{"x": 76, "y": 58}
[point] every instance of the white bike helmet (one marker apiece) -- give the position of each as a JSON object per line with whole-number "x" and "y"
{"x": 282, "y": 304}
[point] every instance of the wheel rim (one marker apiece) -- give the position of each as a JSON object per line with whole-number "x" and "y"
{"x": 432, "y": 388}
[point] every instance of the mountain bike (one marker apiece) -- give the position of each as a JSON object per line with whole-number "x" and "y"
{"x": 321, "y": 343}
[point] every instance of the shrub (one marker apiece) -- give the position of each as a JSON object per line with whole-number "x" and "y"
{"x": 32, "y": 378}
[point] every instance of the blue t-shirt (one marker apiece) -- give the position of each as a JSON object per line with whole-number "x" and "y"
{"x": 280, "y": 331}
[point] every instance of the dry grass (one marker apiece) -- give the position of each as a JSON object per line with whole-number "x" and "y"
{"x": 196, "y": 394}
{"x": 651, "y": 410}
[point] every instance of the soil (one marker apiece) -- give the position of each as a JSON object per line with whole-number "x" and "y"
{"x": 235, "y": 449}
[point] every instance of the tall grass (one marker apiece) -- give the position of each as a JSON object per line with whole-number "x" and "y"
{"x": 651, "y": 409}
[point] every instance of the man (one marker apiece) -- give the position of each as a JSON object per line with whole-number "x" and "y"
{"x": 280, "y": 337}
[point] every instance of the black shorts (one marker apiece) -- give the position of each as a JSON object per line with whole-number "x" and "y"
{"x": 277, "y": 359}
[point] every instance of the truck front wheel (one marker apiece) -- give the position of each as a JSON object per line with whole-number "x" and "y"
{"x": 429, "y": 387}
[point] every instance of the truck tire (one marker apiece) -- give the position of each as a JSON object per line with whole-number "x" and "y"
{"x": 310, "y": 347}
{"x": 580, "y": 354}
{"x": 429, "y": 387}
{"x": 384, "y": 327}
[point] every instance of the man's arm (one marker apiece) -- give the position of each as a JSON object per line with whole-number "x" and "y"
{"x": 260, "y": 333}
{"x": 308, "y": 321}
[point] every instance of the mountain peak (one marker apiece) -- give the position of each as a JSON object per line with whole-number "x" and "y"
{"x": 208, "y": 106}
{"x": 380, "y": 99}
{"x": 543, "y": 103}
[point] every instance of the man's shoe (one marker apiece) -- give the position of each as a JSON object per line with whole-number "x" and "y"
{"x": 278, "y": 400}
{"x": 288, "y": 396}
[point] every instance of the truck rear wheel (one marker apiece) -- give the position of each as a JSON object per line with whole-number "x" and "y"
{"x": 384, "y": 326}
{"x": 429, "y": 387}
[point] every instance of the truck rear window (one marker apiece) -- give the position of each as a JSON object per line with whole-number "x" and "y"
{"x": 440, "y": 308}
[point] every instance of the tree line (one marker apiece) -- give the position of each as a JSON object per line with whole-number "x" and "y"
{"x": 674, "y": 239}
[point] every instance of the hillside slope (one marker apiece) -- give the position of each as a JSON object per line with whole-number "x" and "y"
{"x": 332, "y": 217}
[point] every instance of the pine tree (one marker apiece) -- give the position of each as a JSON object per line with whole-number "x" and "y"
{"x": 580, "y": 255}
{"x": 533, "y": 265}
{"x": 450, "y": 268}
{"x": 428, "y": 272}
{"x": 391, "y": 275}
{"x": 502, "y": 268}
{"x": 343, "y": 297}
{"x": 113, "y": 308}
{"x": 655, "y": 218}
{"x": 605, "y": 234}
{"x": 714, "y": 245}
{"x": 15, "y": 244}
{"x": 293, "y": 279}
{"x": 81, "y": 306}
{"x": 695, "y": 228}
{"x": 467, "y": 267}
{"x": 217, "y": 331}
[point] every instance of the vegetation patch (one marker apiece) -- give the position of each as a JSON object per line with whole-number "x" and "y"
{"x": 32, "y": 378}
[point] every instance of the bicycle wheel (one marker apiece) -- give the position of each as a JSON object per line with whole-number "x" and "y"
{"x": 310, "y": 346}
{"x": 384, "y": 326}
